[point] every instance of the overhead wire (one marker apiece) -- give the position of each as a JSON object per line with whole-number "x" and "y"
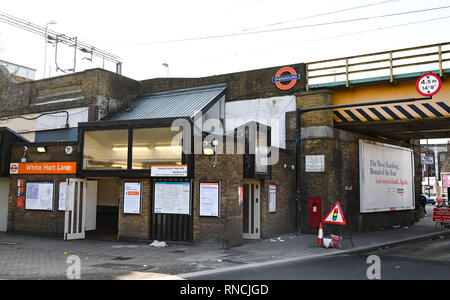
{"x": 288, "y": 28}
{"x": 321, "y": 15}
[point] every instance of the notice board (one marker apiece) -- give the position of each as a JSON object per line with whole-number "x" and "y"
{"x": 132, "y": 197}
{"x": 39, "y": 196}
{"x": 172, "y": 198}
{"x": 62, "y": 196}
{"x": 209, "y": 199}
{"x": 272, "y": 198}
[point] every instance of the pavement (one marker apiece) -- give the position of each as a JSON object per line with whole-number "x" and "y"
{"x": 36, "y": 257}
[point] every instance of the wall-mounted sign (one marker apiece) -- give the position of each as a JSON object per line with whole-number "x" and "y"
{"x": 209, "y": 199}
{"x": 172, "y": 198}
{"x": 315, "y": 163}
{"x": 241, "y": 195}
{"x": 132, "y": 197}
{"x": 43, "y": 168}
{"x": 429, "y": 84}
{"x": 427, "y": 160}
{"x": 272, "y": 198}
{"x": 62, "y": 196}
{"x": 169, "y": 171}
{"x": 286, "y": 74}
{"x": 39, "y": 196}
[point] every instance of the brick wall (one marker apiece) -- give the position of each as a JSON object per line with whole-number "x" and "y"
{"x": 31, "y": 221}
{"x": 228, "y": 227}
{"x": 283, "y": 220}
{"x": 103, "y": 91}
{"x": 136, "y": 226}
{"x": 341, "y": 151}
{"x": 241, "y": 85}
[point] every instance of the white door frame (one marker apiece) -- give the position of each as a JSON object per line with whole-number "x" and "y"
{"x": 76, "y": 191}
{"x": 254, "y": 203}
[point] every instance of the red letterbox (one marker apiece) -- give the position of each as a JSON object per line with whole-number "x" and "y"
{"x": 315, "y": 212}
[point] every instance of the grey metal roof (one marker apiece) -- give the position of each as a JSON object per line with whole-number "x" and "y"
{"x": 172, "y": 104}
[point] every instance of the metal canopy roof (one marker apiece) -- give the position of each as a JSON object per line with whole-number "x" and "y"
{"x": 172, "y": 104}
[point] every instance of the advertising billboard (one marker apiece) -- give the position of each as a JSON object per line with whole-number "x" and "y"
{"x": 386, "y": 177}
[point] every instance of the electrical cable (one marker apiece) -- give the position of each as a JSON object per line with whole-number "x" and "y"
{"x": 38, "y": 116}
{"x": 321, "y": 15}
{"x": 286, "y": 28}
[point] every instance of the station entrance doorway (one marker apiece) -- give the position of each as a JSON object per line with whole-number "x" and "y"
{"x": 92, "y": 209}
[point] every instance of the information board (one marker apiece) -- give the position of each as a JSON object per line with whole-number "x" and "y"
{"x": 209, "y": 199}
{"x": 172, "y": 198}
{"x": 62, "y": 196}
{"x": 169, "y": 171}
{"x": 386, "y": 177}
{"x": 272, "y": 198}
{"x": 132, "y": 197}
{"x": 39, "y": 196}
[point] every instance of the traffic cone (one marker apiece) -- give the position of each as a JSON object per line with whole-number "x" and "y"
{"x": 320, "y": 236}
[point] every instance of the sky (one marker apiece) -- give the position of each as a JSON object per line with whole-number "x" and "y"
{"x": 199, "y": 38}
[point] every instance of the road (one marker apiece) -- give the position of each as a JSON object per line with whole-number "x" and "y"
{"x": 425, "y": 260}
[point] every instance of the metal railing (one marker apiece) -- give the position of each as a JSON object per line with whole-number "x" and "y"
{"x": 384, "y": 63}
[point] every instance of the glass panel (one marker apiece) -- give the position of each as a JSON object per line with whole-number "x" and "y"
{"x": 105, "y": 150}
{"x": 156, "y": 146}
{"x": 261, "y": 159}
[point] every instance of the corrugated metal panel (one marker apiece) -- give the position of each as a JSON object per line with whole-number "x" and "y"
{"x": 58, "y": 135}
{"x": 174, "y": 104}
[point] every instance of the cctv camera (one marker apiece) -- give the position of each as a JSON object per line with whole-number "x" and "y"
{"x": 25, "y": 148}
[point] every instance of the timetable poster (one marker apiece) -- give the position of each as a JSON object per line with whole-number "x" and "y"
{"x": 209, "y": 199}
{"x": 132, "y": 198}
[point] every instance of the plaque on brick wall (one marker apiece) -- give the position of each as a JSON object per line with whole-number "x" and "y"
{"x": 315, "y": 163}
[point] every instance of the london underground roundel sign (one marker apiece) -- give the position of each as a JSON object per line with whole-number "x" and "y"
{"x": 429, "y": 84}
{"x": 290, "y": 78}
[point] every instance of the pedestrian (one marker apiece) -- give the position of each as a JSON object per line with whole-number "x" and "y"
{"x": 423, "y": 203}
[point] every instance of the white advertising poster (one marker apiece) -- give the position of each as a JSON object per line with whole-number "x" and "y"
{"x": 172, "y": 198}
{"x": 386, "y": 177}
{"x": 209, "y": 199}
{"x": 315, "y": 163}
{"x": 132, "y": 198}
{"x": 62, "y": 196}
{"x": 169, "y": 171}
{"x": 272, "y": 198}
{"x": 39, "y": 196}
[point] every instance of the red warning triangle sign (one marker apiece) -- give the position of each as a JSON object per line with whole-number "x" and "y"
{"x": 335, "y": 216}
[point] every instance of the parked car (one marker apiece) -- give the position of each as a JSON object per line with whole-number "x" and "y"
{"x": 431, "y": 200}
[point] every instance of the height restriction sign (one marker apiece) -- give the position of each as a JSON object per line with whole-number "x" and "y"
{"x": 429, "y": 84}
